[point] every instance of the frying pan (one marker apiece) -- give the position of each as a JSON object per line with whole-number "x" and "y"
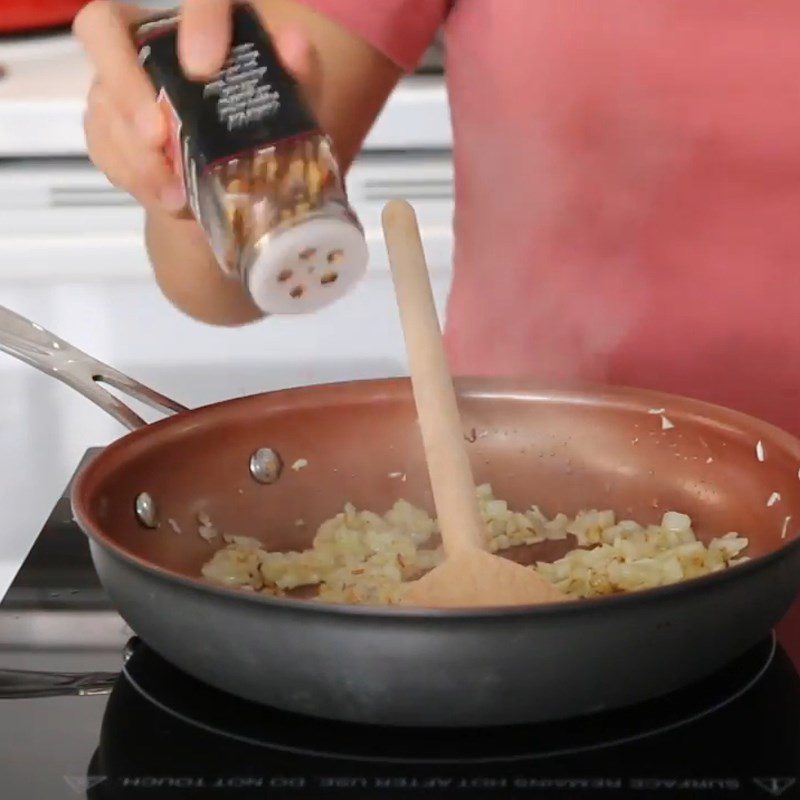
{"x": 565, "y": 449}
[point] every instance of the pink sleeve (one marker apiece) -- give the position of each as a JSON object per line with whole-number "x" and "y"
{"x": 400, "y": 29}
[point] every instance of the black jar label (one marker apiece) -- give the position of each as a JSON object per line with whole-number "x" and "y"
{"x": 253, "y": 102}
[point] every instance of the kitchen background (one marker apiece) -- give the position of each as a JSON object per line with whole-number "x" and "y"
{"x": 72, "y": 259}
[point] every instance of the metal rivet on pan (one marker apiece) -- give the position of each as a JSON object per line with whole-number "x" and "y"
{"x": 265, "y": 465}
{"x": 129, "y": 648}
{"x": 146, "y": 511}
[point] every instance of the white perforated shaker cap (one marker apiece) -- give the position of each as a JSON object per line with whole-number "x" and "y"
{"x": 308, "y": 266}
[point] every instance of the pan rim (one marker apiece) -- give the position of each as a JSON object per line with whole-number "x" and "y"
{"x": 623, "y": 397}
{"x": 398, "y": 613}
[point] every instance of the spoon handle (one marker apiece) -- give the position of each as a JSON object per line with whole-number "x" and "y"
{"x": 442, "y": 436}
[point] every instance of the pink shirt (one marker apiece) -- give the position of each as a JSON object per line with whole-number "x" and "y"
{"x": 627, "y": 189}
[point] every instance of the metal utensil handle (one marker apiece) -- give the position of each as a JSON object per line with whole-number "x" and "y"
{"x": 27, "y": 684}
{"x": 32, "y": 344}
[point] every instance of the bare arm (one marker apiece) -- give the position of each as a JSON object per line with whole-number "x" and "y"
{"x": 346, "y": 80}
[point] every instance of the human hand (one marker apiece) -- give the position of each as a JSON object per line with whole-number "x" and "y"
{"x": 126, "y": 131}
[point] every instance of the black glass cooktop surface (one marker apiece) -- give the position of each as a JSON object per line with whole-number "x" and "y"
{"x": 88, "y": 710}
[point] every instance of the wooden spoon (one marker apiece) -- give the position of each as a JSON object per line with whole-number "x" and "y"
{"x": 469, "y": 576}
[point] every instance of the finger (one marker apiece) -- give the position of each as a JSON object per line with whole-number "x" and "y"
{"x": 204, "y": 36}
{"x": 295, "y": 51}
{"x": 103, "y": 29}
{"x": 97, "y": 127}
{"x": 117, "y": 150}
{"x": 299, "y": 57}
{"x": 150, "y": 178}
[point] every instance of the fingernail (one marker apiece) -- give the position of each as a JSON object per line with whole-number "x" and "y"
{"x": 196, "y": 55}
{"x": 149, "y": 123}
{"x": 294, "y": 50}
{"x": 172, "y": 197}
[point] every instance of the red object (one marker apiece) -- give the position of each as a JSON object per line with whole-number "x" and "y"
{"x": 21, "y": 16}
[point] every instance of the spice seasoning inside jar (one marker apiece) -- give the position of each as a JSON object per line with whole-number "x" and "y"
{"x": 260, "y": 176}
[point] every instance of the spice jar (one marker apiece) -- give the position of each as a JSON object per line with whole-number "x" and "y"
{"x": 260, "y": 175}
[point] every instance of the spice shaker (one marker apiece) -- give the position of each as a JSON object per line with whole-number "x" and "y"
{"x": 259, "y": 174}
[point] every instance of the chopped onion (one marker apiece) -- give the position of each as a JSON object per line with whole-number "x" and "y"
{"x": 362, "y": 557}
{"x": 675, "y": 521}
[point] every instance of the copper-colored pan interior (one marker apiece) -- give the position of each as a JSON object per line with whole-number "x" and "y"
{"x": 565, "y": 451}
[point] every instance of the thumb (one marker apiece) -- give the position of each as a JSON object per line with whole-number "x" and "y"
{"x": 204, "y": 37}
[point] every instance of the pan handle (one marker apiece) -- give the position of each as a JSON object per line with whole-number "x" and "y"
{"x": 32, "y": 344}
{"x": 18, "y": 684}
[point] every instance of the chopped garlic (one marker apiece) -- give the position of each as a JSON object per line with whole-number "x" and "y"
{"x": 367, "y": 558}
{"x": 206, "y": 528}
{"x": 760, "y": 451}
{"x": 775, "y": 497}
{"x": 785, "y": 527}
{"x": 207, "y": 532}
{"x": 666, "y": 422}
{"x": 675, "y": 521}
{"x": 301, "y": 463}
{"x": 174, "y": 525}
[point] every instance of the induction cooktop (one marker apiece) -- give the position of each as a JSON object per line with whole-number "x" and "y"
{"x": 88, "y": 710}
